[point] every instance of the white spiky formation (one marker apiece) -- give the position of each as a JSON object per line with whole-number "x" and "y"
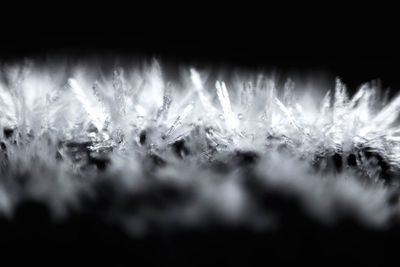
{"x": 50, "y": 113}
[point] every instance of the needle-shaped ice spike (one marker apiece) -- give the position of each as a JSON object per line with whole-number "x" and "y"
{"x": 288, "y": 114}
{"x": 167, "y": 99}
{"x": 179, "y": 119}
{"x": 119, "y": 91}
{"x": 198, "y": 86}
{"x": 94, "y": 114}
{"x": 223, "y": 96}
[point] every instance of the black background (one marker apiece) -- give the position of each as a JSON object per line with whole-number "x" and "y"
{"x": 356, "y": 44}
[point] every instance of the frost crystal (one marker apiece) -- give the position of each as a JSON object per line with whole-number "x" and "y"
{"x": 64, "y": 134}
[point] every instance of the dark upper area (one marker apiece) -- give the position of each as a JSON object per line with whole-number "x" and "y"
{"x": 357, "y": 44}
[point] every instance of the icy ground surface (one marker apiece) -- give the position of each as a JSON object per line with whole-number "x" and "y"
{"x": 189, "y": 153}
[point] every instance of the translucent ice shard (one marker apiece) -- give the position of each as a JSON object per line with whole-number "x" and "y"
{"x": 119, "y": 91}
{"x": 288, "y": 115}
{"x": 93, "y": 112}
{"x": 223, "y": 96}
{"x": 167, "y": 99}
{"x": 178, "y": 121}
{"x": 204, "y": 98}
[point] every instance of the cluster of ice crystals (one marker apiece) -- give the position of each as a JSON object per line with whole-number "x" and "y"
{"x": 83, "y": 121}
{"x": 112, "y": 111}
